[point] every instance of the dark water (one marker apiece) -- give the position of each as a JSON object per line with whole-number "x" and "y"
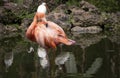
{"x": 99, "y": 60}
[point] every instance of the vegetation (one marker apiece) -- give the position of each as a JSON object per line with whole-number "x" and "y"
{"x": 103, "y": 5}
{"x": 25, "y": 14}
{"x": 72, "y": 2}
{"x": 1, "y": 3}
{"x": 106, "y": 5}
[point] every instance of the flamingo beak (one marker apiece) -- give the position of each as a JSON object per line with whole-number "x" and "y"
{"x": 67, "y": 41}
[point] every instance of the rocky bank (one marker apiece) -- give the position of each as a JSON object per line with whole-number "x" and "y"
{"x": 77, "y": 21}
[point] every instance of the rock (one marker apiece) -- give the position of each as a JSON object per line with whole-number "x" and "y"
{"x": 87, "y": 19}
{"x": 8, "y": 13}
{"x": 67, "y": 17}
{"x": 92, "y": 29}
{"x": 11, "y": 31}
{"x": 110, "y": 20}
{"x": 11, "y": 6}
{"x": 86, "y": 40}
{"x": 26, "y": 22}
{"x": 2, "y": 10}
{"x": 113, "y": 18}
{"x": 2, "y": 30}
{"x": 77, "y": 11}
{"x": 14, "y": 13}
{"x": 89, "y": 7}
{"x": 83, "y": 18}
{"x": 28, "y": 3}
{"x": 2, "y": 14}
{"x": 115, "y": 38}
{"x": 10, "y": 28}
{"x": 24, "y": 25}
{"x": 61, "y": 8}
{"x": 114, "y": 35}
{"x": 58, "y": 16}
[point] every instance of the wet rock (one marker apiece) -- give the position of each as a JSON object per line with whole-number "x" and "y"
{"x": 2, "y": 10}
{"x": 11, "y": 31}
{"x": 86, "y": 19}
{"x": 76, "y": 11}
{"x": 70, "y": 16}
{"x": 61, "y": 8}
{"x": 28, "y": 3}
{"x": 82, "y": 18}
{"x": 115, "y": 38}
{"x": 2, "y": 30}
{"x": 15, "y": 7}
{"x": 10, "y": 28}
{"x": 10, "y": 6}
{"x": 7, "y": 14}
{"x": 26, "y": 22}
{"x": 114, "y": 35}
{"x": 24, "y": 25}
{"x": 91, "y": 29}
{"x": 86, "y": 40}
{"x": 21, "y": 47}
{"x": 13, "y": 13}
{"x": 2, "y": 14}
{"x": 58, "y": 16}
{"x": 89, "y": 7}
{"x": 112, "y": 18}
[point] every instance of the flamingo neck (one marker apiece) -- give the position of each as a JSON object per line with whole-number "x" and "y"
{"x": 30, "y": 30}
{"x": 42, "y": 22}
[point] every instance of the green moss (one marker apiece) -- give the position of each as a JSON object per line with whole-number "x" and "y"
{"x": 106, "y": 5}
{"x": 30, "y": 15}
{"x": 18, "y": 1}
{"x": 103, "y": 5}
{"x": 72, "y": 2}
{"x": 1, "y": 3}
{"x": 25, "y": 14}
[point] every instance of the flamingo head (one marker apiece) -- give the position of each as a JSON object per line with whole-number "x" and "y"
{"x": 42, "y": 8}
{"x": 43, "y": 4}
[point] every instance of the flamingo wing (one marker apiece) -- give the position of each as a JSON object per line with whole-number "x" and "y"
{"x": 48, "y": 37}
{"x": 60, "y": 36}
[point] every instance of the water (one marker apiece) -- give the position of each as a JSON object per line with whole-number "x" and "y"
{"x": 100, "y": 59}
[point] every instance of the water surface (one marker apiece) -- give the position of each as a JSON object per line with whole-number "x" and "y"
{"x": 96, "y": 60}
